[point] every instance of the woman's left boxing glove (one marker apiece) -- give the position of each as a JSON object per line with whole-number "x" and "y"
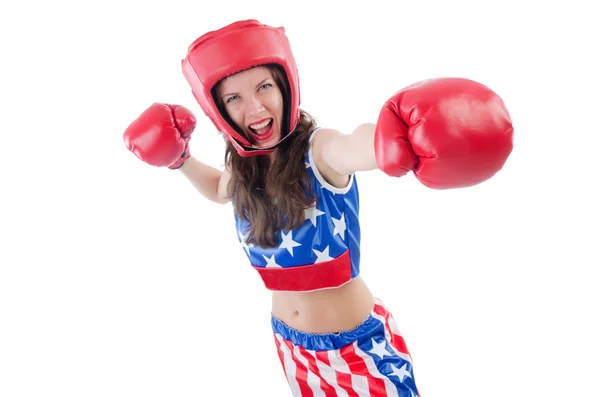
{"x": 451, "y": 132}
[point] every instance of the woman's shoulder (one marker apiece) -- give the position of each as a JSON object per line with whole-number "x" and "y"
{"x": 319, "y": 140}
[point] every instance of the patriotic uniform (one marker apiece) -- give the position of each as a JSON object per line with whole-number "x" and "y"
{"x": 324, "y": 252}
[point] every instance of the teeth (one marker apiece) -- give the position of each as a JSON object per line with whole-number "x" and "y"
{"x": 261, "y": 125}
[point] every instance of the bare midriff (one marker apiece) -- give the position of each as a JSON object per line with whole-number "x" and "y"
{"x": 324, "y": 311}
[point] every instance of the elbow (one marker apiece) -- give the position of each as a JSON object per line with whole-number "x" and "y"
{"x": 222, "y": 200}
{"x": 221, "y": 196}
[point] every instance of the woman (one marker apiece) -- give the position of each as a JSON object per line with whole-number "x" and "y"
{"x": 296, "y": 203}
{"x": 277, "y": 191}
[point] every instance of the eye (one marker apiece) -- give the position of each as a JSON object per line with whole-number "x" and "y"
{"x": 266, "y": 85}
{"x": 228, "y": 100}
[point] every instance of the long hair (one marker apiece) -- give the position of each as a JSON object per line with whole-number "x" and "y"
{"x": 272, "y": 196}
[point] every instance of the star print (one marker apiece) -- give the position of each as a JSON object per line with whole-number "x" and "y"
{"x": 243, "y": 242}
{"x": 312, "y": 213}
{"x": 271, "y": 261}
{"x": 322, "y": 256}
{"x": 379, "y": 349}
{"x": 339, "y": 226}
{"x": 401, "y": 373}
{"x": 288, "y": 243}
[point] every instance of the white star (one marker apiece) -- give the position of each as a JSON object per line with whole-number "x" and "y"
{"x": 306, "y": 165}
{"x": 243, "y": 242}
{"x": 312, "y": 213}
{"x": 271, "y": 261}
{"x": 288, "y": 243}
{"x": 339, "y": 226}
{"x": 401, "y": 373}
{"x": 379, "y": 349}
{"x": 322, "y": 256}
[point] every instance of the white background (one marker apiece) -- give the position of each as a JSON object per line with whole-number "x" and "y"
{"x": 106, "y": 286}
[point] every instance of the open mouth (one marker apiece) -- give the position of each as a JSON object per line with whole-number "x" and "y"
{"x": 262, "y": 130}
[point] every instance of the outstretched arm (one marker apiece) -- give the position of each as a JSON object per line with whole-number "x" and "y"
{"x": 345, "y": 154}
{"x": 208, "y": 181}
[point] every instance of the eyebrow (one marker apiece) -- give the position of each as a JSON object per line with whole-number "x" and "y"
{"x": 234, "y": 93}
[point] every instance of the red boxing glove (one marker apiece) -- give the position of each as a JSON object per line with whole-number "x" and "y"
{"x": 160, "y": 135}
{"x": 451, "y": 132}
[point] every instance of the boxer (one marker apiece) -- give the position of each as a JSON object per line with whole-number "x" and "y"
{"x": 295, "y": 197}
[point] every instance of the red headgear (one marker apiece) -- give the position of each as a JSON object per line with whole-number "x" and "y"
{"x": 231, "y": 49}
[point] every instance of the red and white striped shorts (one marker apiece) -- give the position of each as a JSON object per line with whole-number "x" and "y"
{"x": 370, "y": 360}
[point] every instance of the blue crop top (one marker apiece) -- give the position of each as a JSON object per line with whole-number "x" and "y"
{"x": 324, "y": 252}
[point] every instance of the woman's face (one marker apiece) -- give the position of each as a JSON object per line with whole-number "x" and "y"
{"x": 255, "y": 104}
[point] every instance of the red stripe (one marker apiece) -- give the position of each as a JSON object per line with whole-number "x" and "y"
{"x": 280, "y": 354}
{"x": 396, "y": 340}
{"x": 344, "y": 380}
{"x": 358, "y": 367}
{"x": 301, "y": 372}
{"x": 328, "y": 274}
{"x": 312, "y": 365}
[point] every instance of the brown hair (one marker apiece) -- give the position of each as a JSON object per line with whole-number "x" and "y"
{"x": 272, "y": 196}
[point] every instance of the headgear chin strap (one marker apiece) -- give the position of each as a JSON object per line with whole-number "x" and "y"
{"x": 231, "y": 49}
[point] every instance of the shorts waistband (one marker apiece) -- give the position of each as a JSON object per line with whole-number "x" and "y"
{"x": 333, "y": 340}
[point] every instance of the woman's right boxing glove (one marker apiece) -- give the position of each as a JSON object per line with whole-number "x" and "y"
{"x": 161, "y": 134}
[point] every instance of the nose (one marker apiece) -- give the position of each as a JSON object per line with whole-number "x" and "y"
{"x": 254, "y": 105}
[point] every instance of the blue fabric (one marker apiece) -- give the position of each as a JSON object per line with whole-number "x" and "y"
{"x": 370, "y": 327}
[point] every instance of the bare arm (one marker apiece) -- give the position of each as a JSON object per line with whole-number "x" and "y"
{"x": 346, "y": 154}
{"x": 210, "y": 182}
